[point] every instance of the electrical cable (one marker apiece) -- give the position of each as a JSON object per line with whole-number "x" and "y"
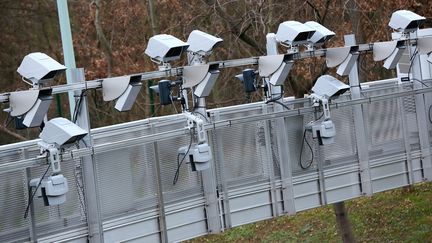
{"x": 78, "y": 105}
{"x": 429, "y": 114}
{"x": 411, "y": 61}
{"x": 31, "y": 195}
{"x": 301, "y": 152}
{"x": 278, "y": 102}
{"x": 179, "y": 163}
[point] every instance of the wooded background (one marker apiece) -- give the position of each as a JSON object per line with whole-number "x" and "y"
{"x": 110, "y": 38}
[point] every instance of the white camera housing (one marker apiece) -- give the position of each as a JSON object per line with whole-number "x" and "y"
{"x": 60, "y": 132}
{"x": 321, "y": 35}
{"x": 52, "y": 189}
{"x": 165, "y": 48}
{"x": 39, "y": 68}
{"x": 329, "y": 87}
{"x": 294, "y": 33}
{"x": 405, "y": 21}
{"x": 202, "y": 43}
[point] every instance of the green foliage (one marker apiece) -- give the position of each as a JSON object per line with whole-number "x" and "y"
{"x": 402, "y": 215}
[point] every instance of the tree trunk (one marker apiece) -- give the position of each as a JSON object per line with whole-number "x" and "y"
{"x": 106, "y": 47}
{"x": 343, "y": 223}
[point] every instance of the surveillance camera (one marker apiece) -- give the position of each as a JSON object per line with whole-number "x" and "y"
{"x": 405, "y": 21}
{"x": 294, "y": 33}
{"x": 329, "y": 87}
{"x": 31, "y": 105}
{"x": 61, "y": 132}
{"x": 202, "y": 43}
{"x": 321, "y": 35}
{"x": 165, "y": 48}
{"x": 39, "y": 68}
{"x": 124, "y": 88}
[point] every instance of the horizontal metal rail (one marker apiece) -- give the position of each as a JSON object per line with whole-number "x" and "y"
{"x": 178, "y": 71}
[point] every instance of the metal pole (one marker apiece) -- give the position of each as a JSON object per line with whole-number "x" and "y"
{"x": 360, "y": 129}
{"x": 91, "y": 192}
{"x": 208, "y": 177}
{"x": 68, "y": 51}
{"x": 417, "y": 77}
{"x": 282, "y": 140}
{"x": 31, "y": 216}
{"x": 161, "y": 204}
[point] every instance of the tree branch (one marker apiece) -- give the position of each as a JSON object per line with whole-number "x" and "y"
{"x": 106, "y": 47}
{"x": 15, "y": 135}
{"x": 233, "y": 26}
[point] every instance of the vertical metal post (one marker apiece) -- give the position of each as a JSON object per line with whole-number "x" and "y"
{"x": 161, "y": 205}
{"x": 282, "y": 140}
{"x": 91, "y": 192}
{"x": 209, "y": 185}
{"x": 223, "y": 190}
{"x": 360, "y": 129}
{"x": 208, "y": 176}
{"x": 270, "y": 163}
{"x": 417, "y": 77}
{"x": 68, "y": 51}
{"x": 31, "y": 216}
{"x": 320, "y": 166}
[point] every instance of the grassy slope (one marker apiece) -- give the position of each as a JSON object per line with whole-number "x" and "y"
{"x": 394, "y": 216}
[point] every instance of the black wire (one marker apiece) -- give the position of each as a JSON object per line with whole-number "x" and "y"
{"x": 429, "y": 114}
{"x": 322, "y": 114}
{"x": 278, "y": 102}
{"x": 31, "y": 195}
{"x": 411, "y": 61}
{"x": 301, "y": 152}
{"x": 78, "y": 106}
{"x": 179, "y": 163}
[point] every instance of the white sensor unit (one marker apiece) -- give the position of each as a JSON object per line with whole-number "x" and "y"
{"x": 329, "y": 87}
{"x": 165, "y": 48}
{"x": 60, "y": 131}
{"x": 321, "y": 35}
{"x": 202, "y": 43}
{"x": 294, "y": 33}
{"x": 405, "y": 21}
{"x": 53, "y": 189}
{"x": 39, "y": 68}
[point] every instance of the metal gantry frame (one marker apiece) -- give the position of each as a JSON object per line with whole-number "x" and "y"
{"x": 221, "y": 204}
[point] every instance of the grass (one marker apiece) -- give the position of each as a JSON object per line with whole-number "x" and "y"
{"x": 402, "y": 215}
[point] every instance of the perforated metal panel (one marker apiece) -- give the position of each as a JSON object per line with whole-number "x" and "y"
{"x": 127, "y": 183}
{"x": 126, "y": 180}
